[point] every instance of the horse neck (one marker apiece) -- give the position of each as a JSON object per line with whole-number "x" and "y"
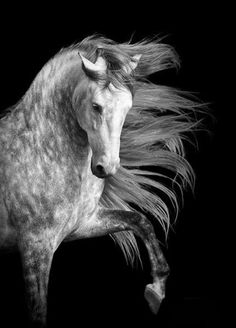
{"x": 46, "y": 110}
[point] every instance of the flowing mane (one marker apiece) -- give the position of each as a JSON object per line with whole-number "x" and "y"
{"x": 152, "y": 151}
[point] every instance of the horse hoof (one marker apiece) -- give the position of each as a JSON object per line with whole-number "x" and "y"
{"x": 154, "y": 300}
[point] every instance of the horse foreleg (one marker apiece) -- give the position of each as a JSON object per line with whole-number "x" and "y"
{"x": 36, "y": 261}
{"x": 111, "y": 221}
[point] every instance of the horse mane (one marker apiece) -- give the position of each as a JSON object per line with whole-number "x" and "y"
{"x": 154, "y": 170}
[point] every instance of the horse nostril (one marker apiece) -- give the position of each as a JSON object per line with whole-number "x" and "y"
{"x": 100, "y": 170}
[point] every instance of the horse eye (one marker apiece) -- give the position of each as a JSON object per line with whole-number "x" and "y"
{"x": 97, "y": 108}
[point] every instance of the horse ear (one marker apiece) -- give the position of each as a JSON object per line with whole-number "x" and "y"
{"x": 133, "y": 63}
{"x": 99, "y": 67}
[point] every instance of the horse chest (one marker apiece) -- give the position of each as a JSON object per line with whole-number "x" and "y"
{"x": 90, "y": 193}
{"x": 84, "y": 204}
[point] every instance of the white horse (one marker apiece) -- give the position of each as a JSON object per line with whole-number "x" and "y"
{"x": 76, "y": 154}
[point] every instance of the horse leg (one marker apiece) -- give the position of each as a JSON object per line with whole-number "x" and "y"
{"x": 111, "y": 221}
{"x": 36, "y": 257}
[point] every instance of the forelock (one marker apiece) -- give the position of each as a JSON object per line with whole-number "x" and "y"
{"x": 117, "y": 64}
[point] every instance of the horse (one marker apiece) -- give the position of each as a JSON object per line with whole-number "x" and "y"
{"x": 85, "y": 152}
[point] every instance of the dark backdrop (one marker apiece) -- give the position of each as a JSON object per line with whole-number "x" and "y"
{"x": 90, "y": 281}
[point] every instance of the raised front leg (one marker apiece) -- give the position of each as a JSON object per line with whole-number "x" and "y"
{"x": 36, "y": 257}
{"x": 110, "y": 221}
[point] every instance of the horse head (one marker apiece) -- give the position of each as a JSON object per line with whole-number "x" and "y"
{"x": 101, "y": 114}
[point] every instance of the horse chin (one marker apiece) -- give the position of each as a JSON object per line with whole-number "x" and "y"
{"x": 100, "y": 176}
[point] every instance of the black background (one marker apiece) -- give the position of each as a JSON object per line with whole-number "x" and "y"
{"x": 90, "y": 283}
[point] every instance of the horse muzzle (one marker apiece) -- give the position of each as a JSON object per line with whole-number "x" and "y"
{"x": 103, "y": 170}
